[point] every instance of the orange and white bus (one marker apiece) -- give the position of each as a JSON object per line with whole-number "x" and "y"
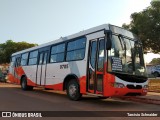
{"x": 103, "y": 61}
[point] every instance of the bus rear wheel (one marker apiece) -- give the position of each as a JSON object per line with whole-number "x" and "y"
{"x": 24, "y": 85}
{"x": 73, "y": 90}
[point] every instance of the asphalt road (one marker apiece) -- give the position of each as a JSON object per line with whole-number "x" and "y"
{"x": 12, "y": 98}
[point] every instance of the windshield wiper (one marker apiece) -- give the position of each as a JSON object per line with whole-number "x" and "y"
{"x": 133, "y": 58}
{"x": 122, "y": 42}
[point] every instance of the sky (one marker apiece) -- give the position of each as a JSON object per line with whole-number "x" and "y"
{"x": 41, "y": 21}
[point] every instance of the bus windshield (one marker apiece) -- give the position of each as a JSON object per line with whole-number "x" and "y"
{"x": 126, "y": 56}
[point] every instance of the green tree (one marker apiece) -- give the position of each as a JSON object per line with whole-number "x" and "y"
{"x": 146, "y": 24}
{"x": 10, "y": 47}
{"x": 155, "y": 61}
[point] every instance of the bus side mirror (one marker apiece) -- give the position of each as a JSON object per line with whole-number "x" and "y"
{"x": 108, "y": 39}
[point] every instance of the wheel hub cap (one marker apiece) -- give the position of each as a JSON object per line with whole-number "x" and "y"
{"x": 72, "y": 90}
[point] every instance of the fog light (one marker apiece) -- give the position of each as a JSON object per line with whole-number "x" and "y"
{"x": 145, "y": 87}
{"x": 117, "y": 85}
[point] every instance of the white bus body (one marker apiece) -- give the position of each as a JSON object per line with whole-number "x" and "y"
{"x": 104, "y": 61}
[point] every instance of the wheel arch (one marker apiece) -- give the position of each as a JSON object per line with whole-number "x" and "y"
{"x": 68, "y": 78}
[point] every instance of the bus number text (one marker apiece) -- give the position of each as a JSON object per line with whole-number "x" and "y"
{"x": 64, "y": 66}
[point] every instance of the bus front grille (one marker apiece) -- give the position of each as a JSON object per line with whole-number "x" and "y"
{"x": 134, "y": 87}
{"x": 133, "y": 94}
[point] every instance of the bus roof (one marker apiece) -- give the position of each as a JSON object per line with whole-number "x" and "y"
{"x": 81, "y": 33}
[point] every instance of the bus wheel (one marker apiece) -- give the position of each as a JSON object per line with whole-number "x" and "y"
{"x": 73, "y": 91}
{"x": 24, "y": 85}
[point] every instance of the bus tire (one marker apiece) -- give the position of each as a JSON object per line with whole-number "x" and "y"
{"x": 73, "y": 90}
{"x": 24, "y": 85}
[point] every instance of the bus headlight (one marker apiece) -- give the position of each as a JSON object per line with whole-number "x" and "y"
{"x": 117, "y": 85}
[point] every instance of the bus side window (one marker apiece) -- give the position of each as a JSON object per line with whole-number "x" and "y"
{"x": 33, "y": 58}
{"x": 76, "y": 49}
{"x": 57, "y": 53}
{"x": 12, "y": 61}
{"x": 24, "y": 59}
{"x": 18, "y": 62}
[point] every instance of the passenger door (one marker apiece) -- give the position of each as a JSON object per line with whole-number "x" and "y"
{"x": 42, "y": 66}
{"x": 96, "y": 66}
